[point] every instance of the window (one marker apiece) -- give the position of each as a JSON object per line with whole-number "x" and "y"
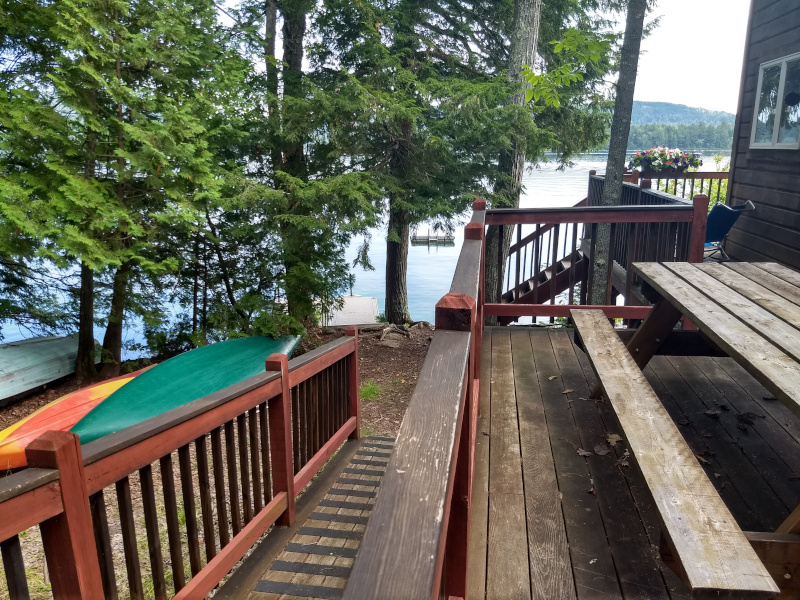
{"x": 776, "y": 122}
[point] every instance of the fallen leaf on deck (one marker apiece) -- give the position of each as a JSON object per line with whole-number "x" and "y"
{"x": 685, "y": 422}
{"x": 717, "y": 475}
{"x": 622, "y": 462}
{"x": 714, "y": 414}
{"x": 601, "y": 449}
{"x": 613, "y": 438}
{"x": 591, "y": 491}
{"x": 770, "y": 398}
{"x": 567, "y": 391}
{"x": 702, "y": 460}
{"x": 582, "y": 452}
{"x": 749, "y": 418}
{"x": 552, "y": 377}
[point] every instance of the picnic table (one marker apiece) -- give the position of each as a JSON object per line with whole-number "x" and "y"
{"x": 751, "y": 311}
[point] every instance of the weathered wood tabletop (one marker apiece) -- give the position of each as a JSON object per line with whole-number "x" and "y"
{"x": 750, "y": 310}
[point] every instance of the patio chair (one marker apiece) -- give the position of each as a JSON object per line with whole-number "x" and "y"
{"x": 720, "y": 220}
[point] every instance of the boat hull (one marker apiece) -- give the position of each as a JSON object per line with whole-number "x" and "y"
{"x": 59, "y": 415}
{"x": 181, "y": 380}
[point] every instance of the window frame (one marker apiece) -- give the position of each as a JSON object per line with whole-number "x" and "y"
{"x": 773, "y": 144}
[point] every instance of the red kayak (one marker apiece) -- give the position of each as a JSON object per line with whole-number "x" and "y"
{"x": 58, "y": 415}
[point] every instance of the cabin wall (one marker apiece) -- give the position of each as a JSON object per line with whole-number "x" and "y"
{"x": 769, "y": 178}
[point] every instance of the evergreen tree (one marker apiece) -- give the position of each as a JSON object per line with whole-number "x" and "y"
{"x": 104, "y": 141}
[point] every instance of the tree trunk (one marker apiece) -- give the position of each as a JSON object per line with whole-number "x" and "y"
{"x": 524, "y": 40}
{"x": 618, "y": 144}
{"x": 396, "y": 307}
{"x": 85, "y": 370}
{"x": 271, "y": 18}
{"x": 112, "y": 340}
{"x": 294, "y": 31}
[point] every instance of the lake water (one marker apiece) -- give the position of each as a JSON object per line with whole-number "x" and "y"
{"x": 430, "y": 269}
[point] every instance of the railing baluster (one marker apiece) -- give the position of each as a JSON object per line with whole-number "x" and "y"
{"x": 206, "y": 506}
{"x": 517, "y": 280}
{"x": 219, "y": 487}
{"x": 189, "y": 512}
{"x": 151, "y": 528}
{"x": 173, "y": 524}
{"x": 14, "y": 566}
{"x": 298, "y": 457}
{"x": 255, "y": 473}
{"x": 128, "y": 528}
{"x": 265, "y": 452}
{"x": 233, "y": 478}
{"x": 97, "y": 506}
{"x": 244, "y": 465}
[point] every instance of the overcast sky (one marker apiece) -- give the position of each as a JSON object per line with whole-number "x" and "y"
{"x": 695, "y": 55}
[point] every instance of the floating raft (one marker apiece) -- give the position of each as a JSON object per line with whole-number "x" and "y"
{"x": 181, "y": 380}
{"x": 28, "y": 364}
{"x": 444, "y": 239}
{"x": 59, "y": 415}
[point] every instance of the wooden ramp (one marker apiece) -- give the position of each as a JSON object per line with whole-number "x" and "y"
{"x": 312, "y": 559}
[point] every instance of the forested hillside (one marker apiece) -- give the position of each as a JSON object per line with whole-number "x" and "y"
{"x": 665, "y": 112}
{"x": 692, "y": 136}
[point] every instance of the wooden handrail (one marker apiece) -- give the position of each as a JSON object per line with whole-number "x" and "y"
{"x": 402, "y": 551}
{"x": 590, "y": 214}
{"x": 415, "y": 544}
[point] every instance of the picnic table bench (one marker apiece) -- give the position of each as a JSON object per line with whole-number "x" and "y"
{"x": 751, "y": 311}
{"x": 714, "y": 556}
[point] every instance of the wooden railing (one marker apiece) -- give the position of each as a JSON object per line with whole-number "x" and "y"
{"x": 662, "y": 232}
{"x": 245, "y": 452}
{"x": 415, "y": 544}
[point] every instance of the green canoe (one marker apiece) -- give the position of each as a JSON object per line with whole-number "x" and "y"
{"x": 180, "y": 380}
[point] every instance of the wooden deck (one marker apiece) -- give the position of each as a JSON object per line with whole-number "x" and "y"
{"x": 561, "y": 513}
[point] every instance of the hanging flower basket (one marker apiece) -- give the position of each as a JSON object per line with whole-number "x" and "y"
{"x": 661, "y": 162}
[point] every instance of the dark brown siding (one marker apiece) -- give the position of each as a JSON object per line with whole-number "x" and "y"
{"x": 770, "y": 178}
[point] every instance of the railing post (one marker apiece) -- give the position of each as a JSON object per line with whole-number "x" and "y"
{"x": 458, "y": 312}
{"x": 698, "y": 239}
{"x": 280, "y": 434}
{"x": 68, "y": 538}
{"x": 591, "y": 202}
{"x": 354, "y": 379}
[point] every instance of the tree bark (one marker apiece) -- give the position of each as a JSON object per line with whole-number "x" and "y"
{"x": 85, "y": 370}
{"x": 271, "y": 25}
{"x": 524, "y": 41}
{"x": 112, "y": 340}
{"x": 399, "y": 230}
{"x": 294, "y": 31}
{"x": 618, "y": 144}
{"x": 84, "y": 363}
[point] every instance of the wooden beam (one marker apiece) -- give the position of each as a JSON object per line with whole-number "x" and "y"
{"x": 563, "y": 310}
{"x": 604, "y": 214}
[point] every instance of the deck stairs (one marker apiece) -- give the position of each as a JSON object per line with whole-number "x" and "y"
{"x": 539, "y": 288}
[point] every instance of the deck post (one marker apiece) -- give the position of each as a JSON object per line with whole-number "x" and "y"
{"x": 280, "y": 434}
{"x": 458, "y": 312}
{"x": 697, "y": 241}
{"x": 699, "y": 218}
{"x": 68, "y": 538}
{"x": 354, "y": 380}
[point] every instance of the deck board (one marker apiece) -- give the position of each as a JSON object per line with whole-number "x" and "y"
{"x": 609, "y": 547}
{"x": 548, "y": 550}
